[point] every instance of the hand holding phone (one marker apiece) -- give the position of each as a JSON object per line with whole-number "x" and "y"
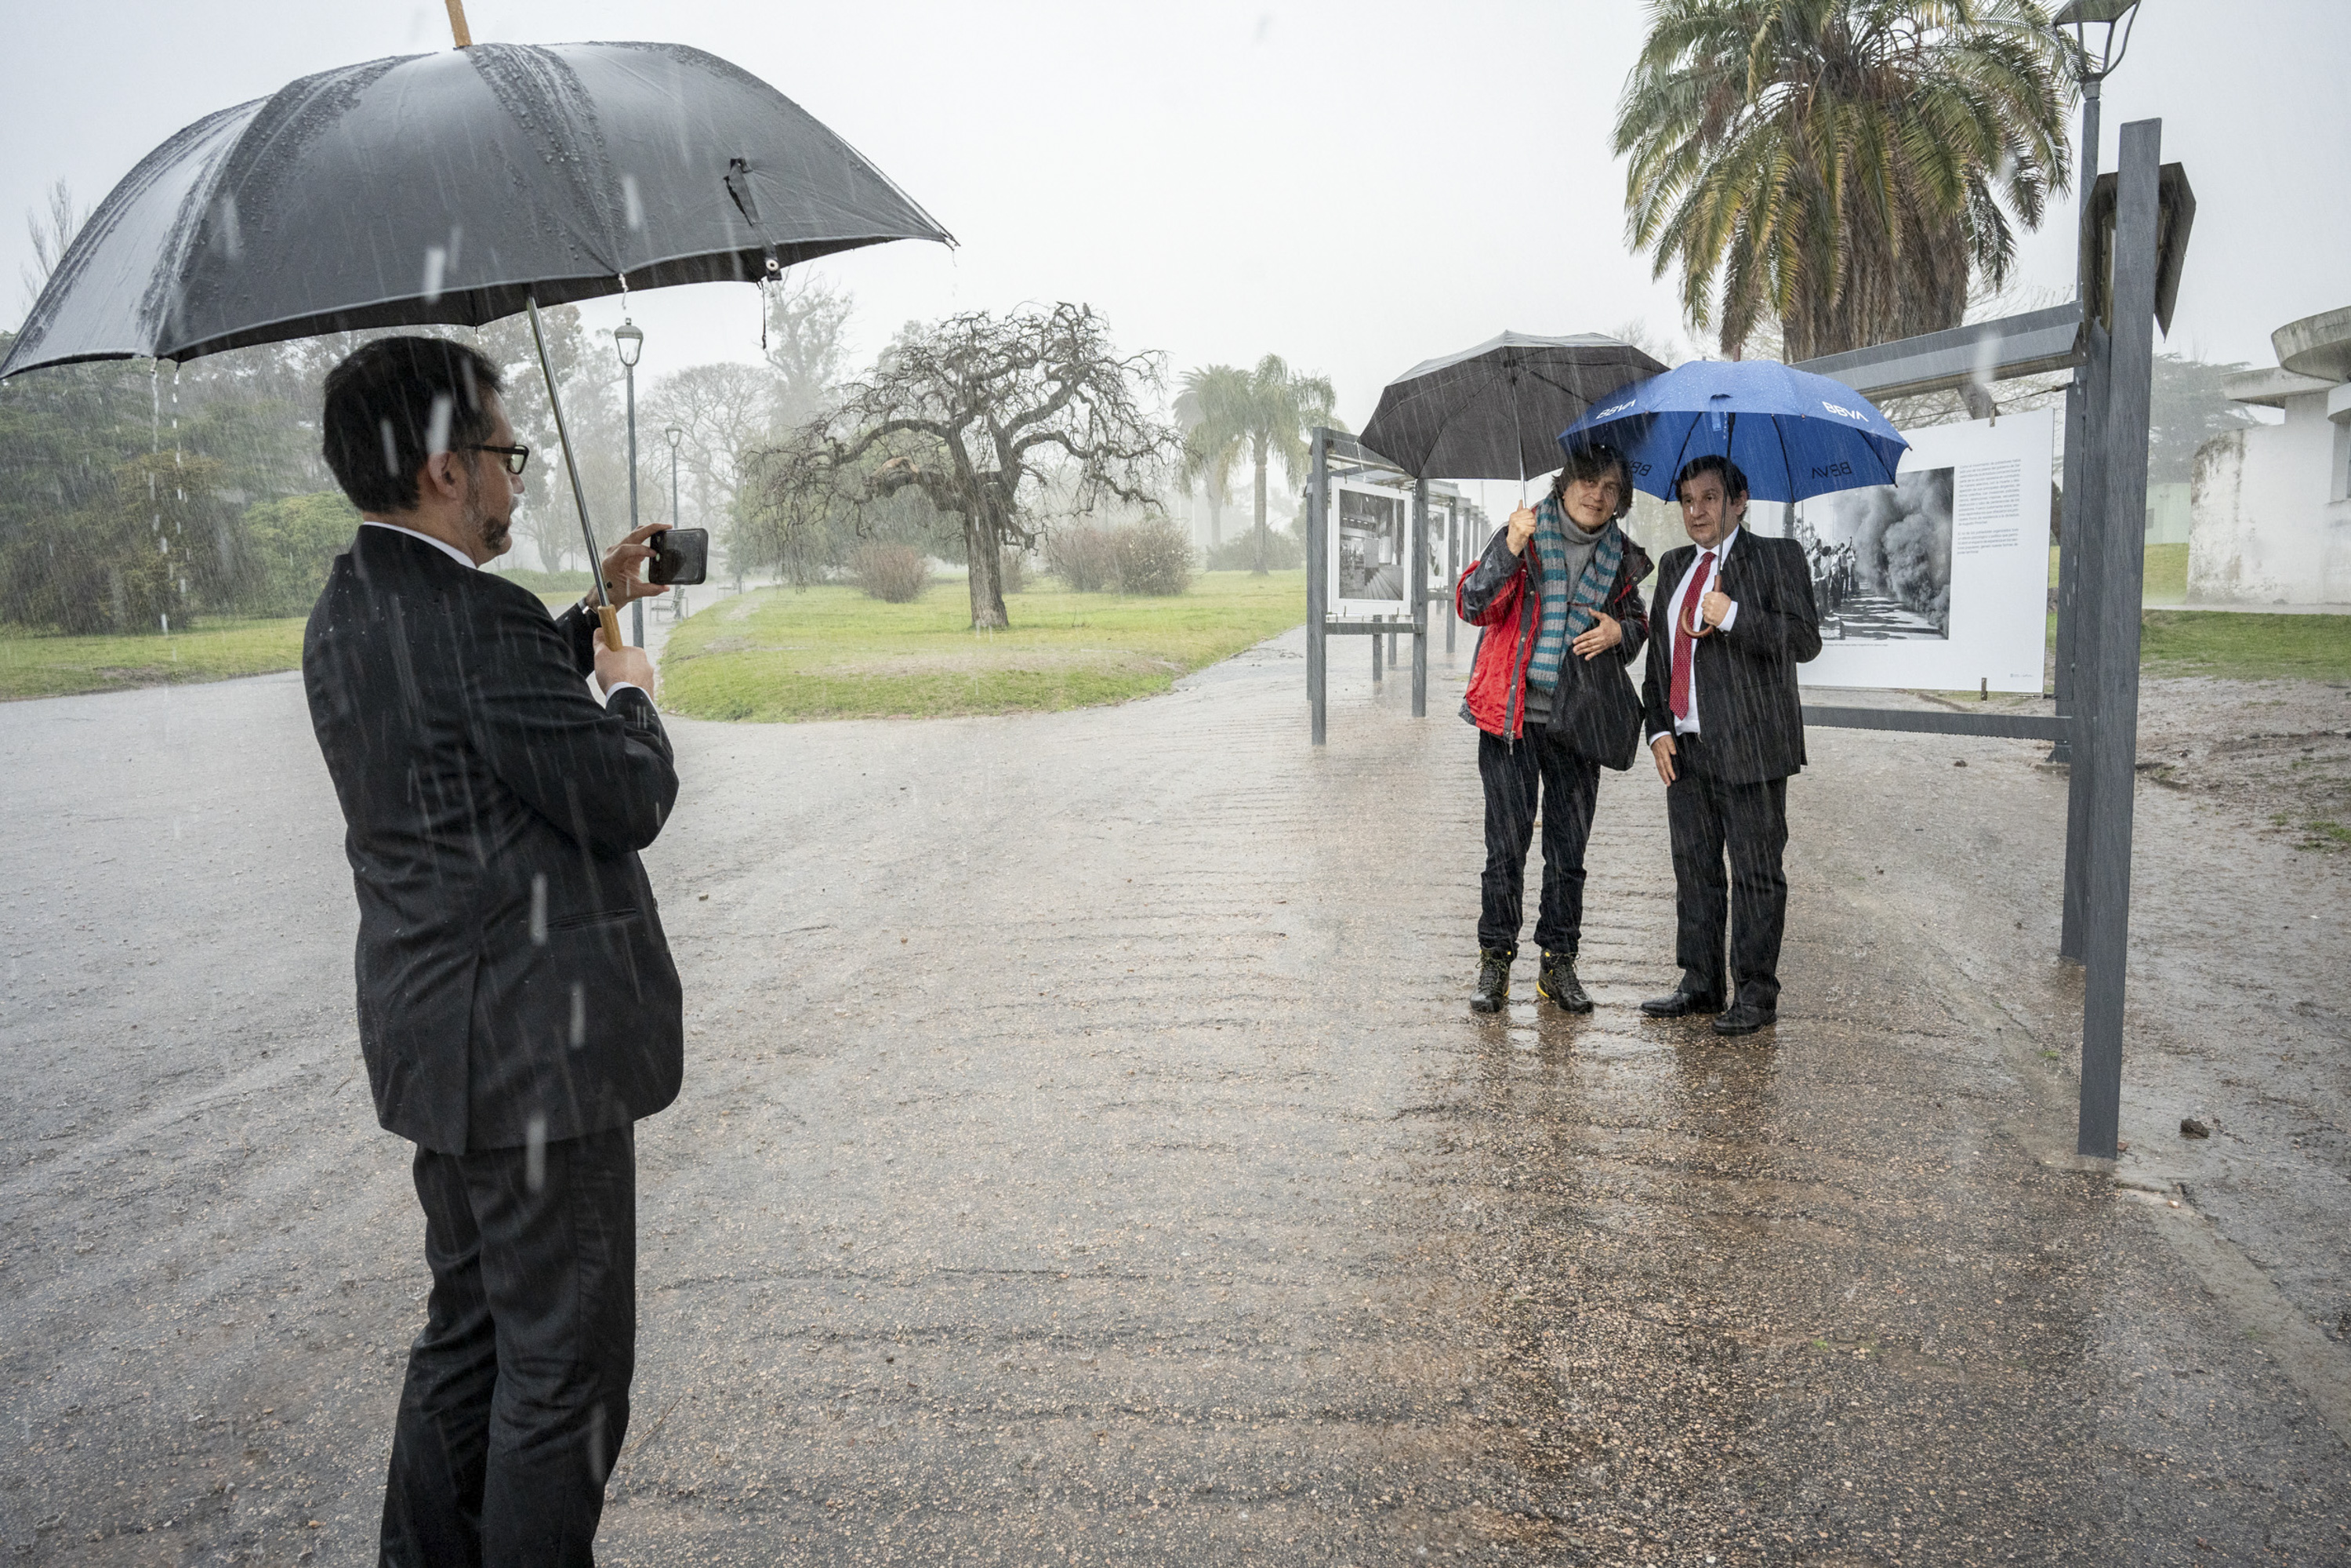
{"x": 680, "y": 558}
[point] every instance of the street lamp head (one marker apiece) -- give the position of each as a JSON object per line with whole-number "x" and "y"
{"x": 630, "y": 341}
{"x": 675, "y": 435}
{"x": 2095, "y": 24}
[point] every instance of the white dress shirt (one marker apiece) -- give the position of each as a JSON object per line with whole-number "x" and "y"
{"x": 443, "y": 546}
{"x": 453, "y": 553}
{"x": 1682, "y": 606}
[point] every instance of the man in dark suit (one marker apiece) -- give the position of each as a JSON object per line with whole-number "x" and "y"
{"x": 518, "y": 1008}
{"x": 1732, "y": 619}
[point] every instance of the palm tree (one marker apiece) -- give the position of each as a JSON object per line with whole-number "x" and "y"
{"x": 1840, "y": 164}
{"x": 1209, "y": 412}
{"x": 1265, "y": 413}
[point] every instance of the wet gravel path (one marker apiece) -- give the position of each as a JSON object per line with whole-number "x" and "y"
{"x": 1087, "y": 1156}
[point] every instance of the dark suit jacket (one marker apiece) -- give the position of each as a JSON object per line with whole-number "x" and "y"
{"x": 1748, "y": 715}
{"x": 512, "y": 971}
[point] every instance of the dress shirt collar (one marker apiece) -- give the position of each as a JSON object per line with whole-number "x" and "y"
{"x": 443, "y": 546}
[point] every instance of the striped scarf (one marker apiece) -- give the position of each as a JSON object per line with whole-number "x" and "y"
{"x": 1566, "y": 618}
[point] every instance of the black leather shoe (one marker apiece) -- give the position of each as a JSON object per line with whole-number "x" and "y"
{"x": 1493, "y": 979}
{"x": 1556, "y": 979}
{"x": 1681, "y": 1004}
{"x": 1745, "y": 1017}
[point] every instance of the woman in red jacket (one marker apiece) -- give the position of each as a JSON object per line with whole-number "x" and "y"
{"x": 1557, "y": 593}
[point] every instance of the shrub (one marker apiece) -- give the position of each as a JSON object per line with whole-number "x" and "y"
{"x": 1082, "y": 556}
{"x": 895, "y": 574}
{"x": 1012, "y": 565}
{"x": 1154, "y": 557}
{"x": 1284, "y": 551}
{"x": 293, "y": 541}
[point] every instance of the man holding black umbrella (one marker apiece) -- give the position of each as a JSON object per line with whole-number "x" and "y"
{"x": 1735, "y": 617}
{"x": 518, "y": 1008}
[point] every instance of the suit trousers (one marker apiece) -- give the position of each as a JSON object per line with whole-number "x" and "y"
{"x": 1706, "y": 817}
{"x": 517, "y": 1391}
{"x": 1541, "y": 770}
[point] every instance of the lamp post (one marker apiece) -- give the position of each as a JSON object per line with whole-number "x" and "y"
{"x": 2092, "y": 63}
{"x": 2092, "y": 66}
{"x": 630, "y": 340}
{"x": 675, "y": 435}
{"x": 2101, "y": 33}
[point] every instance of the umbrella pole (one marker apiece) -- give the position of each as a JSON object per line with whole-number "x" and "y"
{"x": 604, "y": 611}
{"x": 1518, "y": 437}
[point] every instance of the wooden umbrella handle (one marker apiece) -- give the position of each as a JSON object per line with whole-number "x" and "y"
{"x": 457, "y": 28}
{"x": 610, "y": 617}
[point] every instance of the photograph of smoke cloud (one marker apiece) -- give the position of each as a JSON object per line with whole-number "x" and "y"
{"x": 1941, "y": 579}
{"x": 1881, "y": 558}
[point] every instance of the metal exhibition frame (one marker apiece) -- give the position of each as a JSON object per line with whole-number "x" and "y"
{"x": 2134, "y": 235}
{"x": 1353, "y": 459}
{"x": 2135, "y": 224}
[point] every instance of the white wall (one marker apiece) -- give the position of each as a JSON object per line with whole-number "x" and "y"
{"x": 2267, "y": 523}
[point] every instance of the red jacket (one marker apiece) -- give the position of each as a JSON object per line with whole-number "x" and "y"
{"x": 1496, "y": 595}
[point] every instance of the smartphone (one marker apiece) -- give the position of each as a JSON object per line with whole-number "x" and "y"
{"x": 680, "y": 558}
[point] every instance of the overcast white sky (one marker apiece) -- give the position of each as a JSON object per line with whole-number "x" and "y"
{"x": 1356, "y": 187}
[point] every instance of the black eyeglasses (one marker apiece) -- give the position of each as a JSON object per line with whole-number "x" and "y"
{"x": 517, "y": 457}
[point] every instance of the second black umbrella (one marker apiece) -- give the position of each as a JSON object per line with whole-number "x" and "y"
{"x": 1495, "y": 412}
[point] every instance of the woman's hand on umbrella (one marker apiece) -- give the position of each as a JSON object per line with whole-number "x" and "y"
{"x": 1607, "y": 633}
{"x": 624, "y": 566}
{"x": 1521, "y": 530}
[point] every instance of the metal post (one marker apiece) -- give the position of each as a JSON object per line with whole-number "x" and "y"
{"x": 1375, "y": 641}
{"x": 675, "y": 521}
{"x": 2069, "y": 552}
{"x": 636, "y": 607}
{"x": 1452, "y": 571}
{"x": 2121, "y": 564}
{"x": 1420, "y": 598}
{"x": 606, "y": 616}
{"x": 2086, "y": 531}
{"x": 1318, "y": 466}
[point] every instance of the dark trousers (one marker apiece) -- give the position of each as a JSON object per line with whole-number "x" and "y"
{"x": 1706, "y": 817}
{"x": 517, "y": 1391}
{"x": 1569, "y": 785}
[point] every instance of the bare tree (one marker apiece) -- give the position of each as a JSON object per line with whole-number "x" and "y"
{"x": 808, "y": 324}
{"x": 50, "y": 233}
{"x": 725, "y": 410}
{"x": 972, "y": 413}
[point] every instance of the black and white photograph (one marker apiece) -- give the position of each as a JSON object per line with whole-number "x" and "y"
{"x": 1370, "y": 546}
{"x": 1882, "y": 559}
{"x": 1940, "y": 578}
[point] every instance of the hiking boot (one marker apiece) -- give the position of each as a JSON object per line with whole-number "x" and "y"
{"x": 1493, "y": 979}
{"x": 1556, "y": 979}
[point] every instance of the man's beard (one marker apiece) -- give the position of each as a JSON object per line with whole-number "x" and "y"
{"x": 495, "y": 533}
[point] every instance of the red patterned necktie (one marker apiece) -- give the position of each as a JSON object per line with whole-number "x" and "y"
{"x": 1685, "y": 630}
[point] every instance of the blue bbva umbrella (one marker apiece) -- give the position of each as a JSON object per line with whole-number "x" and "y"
{"x": 1792, "y": 434}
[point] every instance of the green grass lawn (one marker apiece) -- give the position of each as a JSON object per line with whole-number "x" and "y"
{"x": 2245, "y": 647}
{"x": 216, "y": 648}
{"x": 832, "y": 652}
{"x": 2163, "y": 579}
{"x": 213, "y": 649}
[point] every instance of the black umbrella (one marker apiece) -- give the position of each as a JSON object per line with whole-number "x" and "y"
{"x": 1495, "y": 412}
{"x": 457, "y": 187}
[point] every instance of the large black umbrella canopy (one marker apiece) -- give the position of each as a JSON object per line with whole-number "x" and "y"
{"x": 456, "y": 187}
{"x": 1495, "y": 412}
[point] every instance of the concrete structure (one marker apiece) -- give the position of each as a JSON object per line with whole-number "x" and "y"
{"x": 2270, "y": 523}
